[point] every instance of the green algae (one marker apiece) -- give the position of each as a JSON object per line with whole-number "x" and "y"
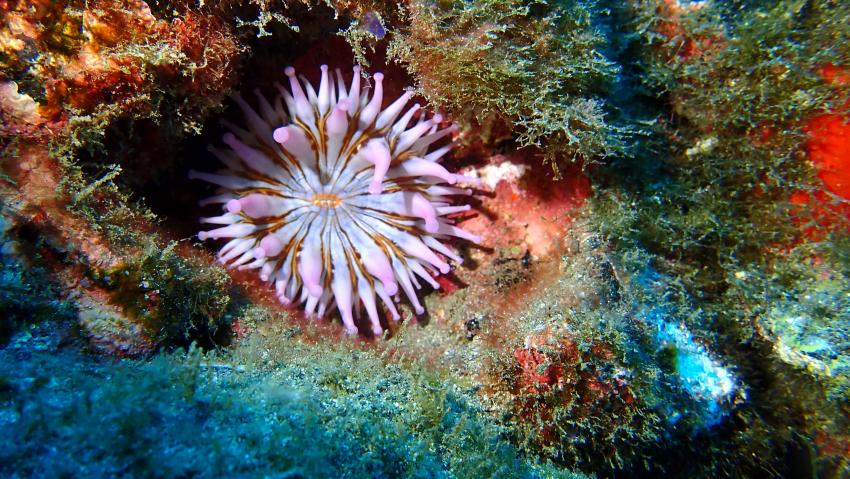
{"x": 707, "y": 200}
{"x": 717, "y": 189}
{"x": 703, "y": 194}
{"x": 175, "y": 299}
{"x": 805, "y": 314}
{"x": 272, "y": 406}
{"x": 579, "y": 395}
{"x": 538, "y": 66}
{"x": 27, "y": 295}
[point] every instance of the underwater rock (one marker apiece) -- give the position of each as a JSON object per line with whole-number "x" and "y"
{"x": 109, "y": 329}
{"x": 19, "y": 112}
{"x": 573, "y": 402}
{"x": 526, "y": 211}
{"x": 806, "y": 343}
{"x": 674, "y": 305}
{"x": 79, "y": 70}
{"x": 810, "y": 330}
{"x": 111, "y": 54}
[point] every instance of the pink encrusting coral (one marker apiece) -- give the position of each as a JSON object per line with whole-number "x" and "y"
{"x": 336, "y": 199}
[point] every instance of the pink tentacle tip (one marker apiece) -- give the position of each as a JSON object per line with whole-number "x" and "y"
{"x": 255, "y": 205}
{"x": 343, "y": 105}
{"x": 270, "y": 246}
{"x": 280, "y": 135}
{"x": 233, "y": 206}
{"x": 431, "y": 225}
{"x": 314, "y": 289}
{"x": 376, "y": 187}
{"x": 390, "y": 288}
{"x": 229, "y": 139}
{"x": 202, "y": 235}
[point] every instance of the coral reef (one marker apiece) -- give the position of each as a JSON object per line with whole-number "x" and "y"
{"x": 732, "y": 192}
{"x": 73, "y": 74}
{"x": 27, "y": 296}
{"x": 670, "y": 300}
{"x": 561, "y": 387}
{"x": 270, "y": 406}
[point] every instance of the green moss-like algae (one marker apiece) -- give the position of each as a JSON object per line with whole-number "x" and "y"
{"x": 707, "y": 198}
{"x": 273, "y": 406}
{"x": 536, "y": 65}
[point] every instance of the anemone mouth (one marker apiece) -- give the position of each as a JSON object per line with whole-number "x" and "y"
{"x": 336, "y": 199}
{"x": 326, "y": 200}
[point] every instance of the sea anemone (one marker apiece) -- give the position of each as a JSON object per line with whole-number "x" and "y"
{"x": 335, "y": 199}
